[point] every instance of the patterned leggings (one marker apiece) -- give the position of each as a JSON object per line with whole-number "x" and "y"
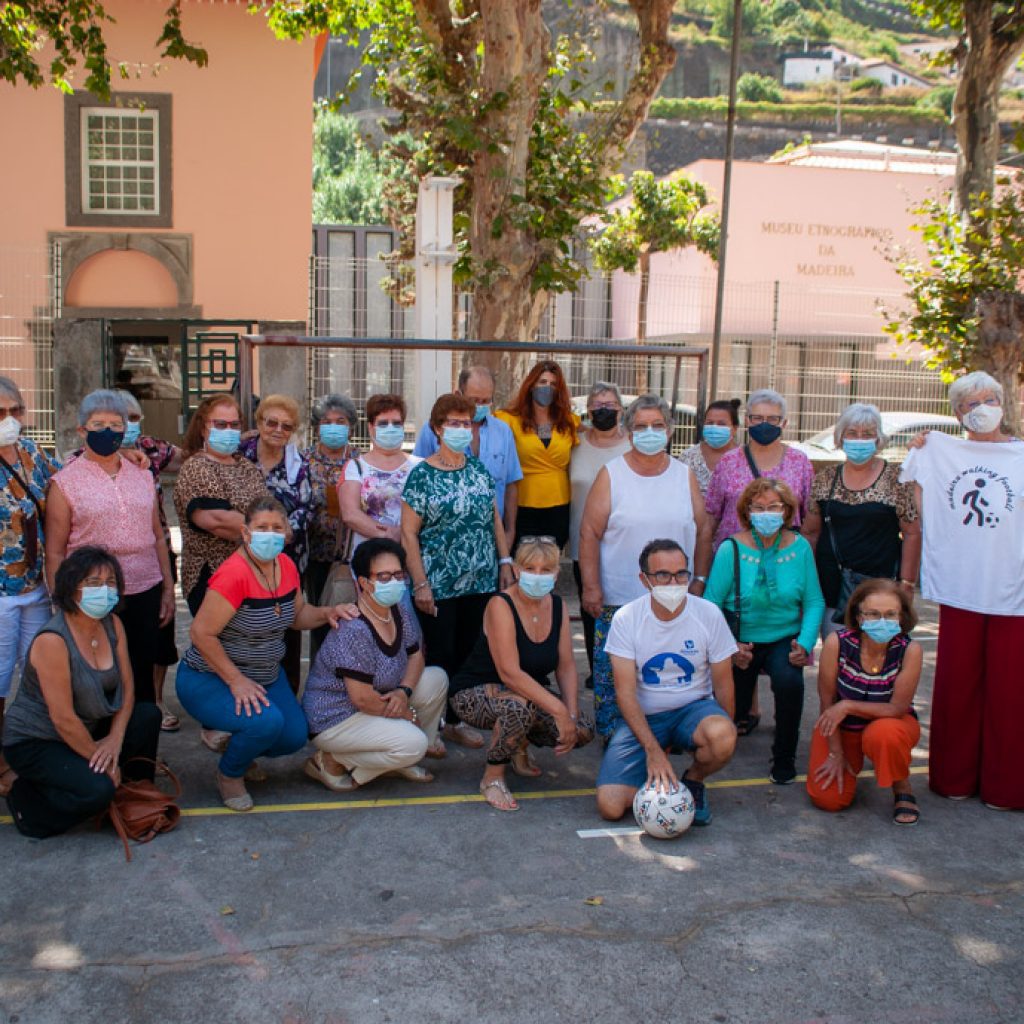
{"x": 513, "y": 719}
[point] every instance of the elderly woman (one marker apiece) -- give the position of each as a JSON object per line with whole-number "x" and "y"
{"x": 372, "y": 705}
{"x": 454, "y": 540}
{"x": 717, "y": 438}
{"x": 970, "y": 496}
{"x": 603, "y": 440}
{"x": 544, "y": 427}
{"x": 867, "y": 678}
{"x": 286, "y": 474}
{"x": 334, "y": 418}
{"x": 214, "y": 488}
{"x": 25, "y": 473}
{"x": 642, "y": 494}
{"x": 779, "y": 607}
{"x": 162, "y": 457}
{"x": 371, "y": 494}
{"x": 102, "y": 499}
{"x": 867, "y": 516}
{"x": 764, "y": 454}
{"x": 231, "y": 678}
{"x": 505, "y": 684}
{"x": 75, "y": 721}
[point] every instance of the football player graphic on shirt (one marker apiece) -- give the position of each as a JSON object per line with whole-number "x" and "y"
{"x": 668, "y": 669}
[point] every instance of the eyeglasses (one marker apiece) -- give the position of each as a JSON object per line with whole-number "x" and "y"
{"x": 605, "y": 405}
{"x": 994, "y": 402}
{"x": 14, "y": 410}
{"x": 775, "y": 506}
{"x": 225, "y": 424}
{"x": 663, "y": 577}
{"x": 98, "y": 581}
{"x": 878, "y": 616}
{"x": 276, "y": 424}
{"x": 755, "y": 418}
{"x": 458, "y": 423}
{"x": 397, "y": 422}
{"x": 134, "y": 417}
{"x": 97, "y": 425}
{"x": 387, "y": 577}
{"x": 540, "y": 538}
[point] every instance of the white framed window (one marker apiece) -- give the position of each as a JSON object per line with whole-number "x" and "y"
{"x": 120, "y": 161}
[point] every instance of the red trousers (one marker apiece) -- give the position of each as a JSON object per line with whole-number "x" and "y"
{"x": 886, "y": 742}
{"x": 976, "y": 742}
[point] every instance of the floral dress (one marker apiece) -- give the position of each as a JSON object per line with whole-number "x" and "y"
{"x": 380, "y": 491}
{"x": 21, "y": 523}
{"x": 324, "y": 476}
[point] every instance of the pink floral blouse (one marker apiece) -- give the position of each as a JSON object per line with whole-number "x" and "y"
{"x": 731, "y": 476}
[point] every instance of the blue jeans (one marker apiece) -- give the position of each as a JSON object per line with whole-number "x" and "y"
{"x": 21, "y": 618}
{"x": 278, "y": 730}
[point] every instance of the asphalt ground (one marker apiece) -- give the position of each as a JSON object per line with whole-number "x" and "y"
{"x": 410, "y": 903}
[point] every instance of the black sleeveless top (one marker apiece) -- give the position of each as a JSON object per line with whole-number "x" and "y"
{"x": 537, "y": 660}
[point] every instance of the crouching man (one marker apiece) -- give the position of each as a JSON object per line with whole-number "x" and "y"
{"x": 671, "y": 655}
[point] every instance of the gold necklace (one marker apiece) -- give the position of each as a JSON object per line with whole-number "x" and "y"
{"x": 271, "y": 587}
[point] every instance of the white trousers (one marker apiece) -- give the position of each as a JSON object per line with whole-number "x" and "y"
{"x": 369, "y": 745}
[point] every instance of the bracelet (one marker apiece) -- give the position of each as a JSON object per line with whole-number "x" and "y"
{"x": 909, "y": 583}
{"x": 507, "y": 560}
{"x": 700, "y": 579}
{"x": 421, "y": 585}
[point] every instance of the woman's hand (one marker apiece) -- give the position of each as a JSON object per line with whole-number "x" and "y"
{"x": 831, "y": 718}
{"x": 106, "y": 755}
{"x": 506, "y": 576}
{"x": 566, "y": 733}
{"x": 396, "y": 704}
{"x": 797, "y": 655}
{"x": 166, "y": 605}
{"x": 423, "y": 598}
{"x": 341, "y": 613}
{"x": 744, "y": 656}
{"x": 249, "y": 696}
{"x": 135, "y": 457}
{"x": 832, "y": 769}
{"x": 918, "y": 440}
{"x": 593, "y": 601}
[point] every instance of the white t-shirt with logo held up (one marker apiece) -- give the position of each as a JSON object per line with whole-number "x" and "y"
{"x": 972, "y": 518}
{"x": 673, "y": 659}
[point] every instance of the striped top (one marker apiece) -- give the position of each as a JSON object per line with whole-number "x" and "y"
{"x": 253, "y": 639}
{"x": 854, "y": 683}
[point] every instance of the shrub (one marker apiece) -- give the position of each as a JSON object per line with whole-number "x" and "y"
{"x": 756, "y": 88}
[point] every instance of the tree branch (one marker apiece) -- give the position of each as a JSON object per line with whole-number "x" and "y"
{"x": 448, "y": 35}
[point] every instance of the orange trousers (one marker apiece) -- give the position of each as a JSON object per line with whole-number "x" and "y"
{"x": 886, "y": 742}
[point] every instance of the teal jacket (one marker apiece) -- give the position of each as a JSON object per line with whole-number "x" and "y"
{"x": 782, "y": 600}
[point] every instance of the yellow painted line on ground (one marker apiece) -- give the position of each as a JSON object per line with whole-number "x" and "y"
{"x": 455, "y": 798}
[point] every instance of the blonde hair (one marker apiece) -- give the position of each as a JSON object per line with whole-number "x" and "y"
{"x": 285, "y": 402}
{"x": 546, "y": 550}
{"x": 762, "y": 485}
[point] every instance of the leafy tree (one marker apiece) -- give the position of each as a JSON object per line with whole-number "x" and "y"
{"x": 488, "y": 95}
{"x": 755, "y": 88}
{"x": 967, "y": 310}
{"x": 348, "y": 182}
{"x": 74, "y": 29}
{"x": 660, "y": 217}
{"x": 754, "y": 19}
{"x": 939, "y": 98}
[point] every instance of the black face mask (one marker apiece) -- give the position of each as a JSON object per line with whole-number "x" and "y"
{"x": 604, "y": 419}
{"x": 104, "y": 442}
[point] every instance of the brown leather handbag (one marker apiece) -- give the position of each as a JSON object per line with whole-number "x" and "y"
{"x": 140, "y": 810}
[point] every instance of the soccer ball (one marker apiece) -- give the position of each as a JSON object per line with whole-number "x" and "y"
{"x": 664, "y": 815}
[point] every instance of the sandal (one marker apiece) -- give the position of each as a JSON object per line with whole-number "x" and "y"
{"x": 255, "y": 773}
{"x": 170, "y": 722}
{"x": 745, "y": 726}
{"x": 523, "y": 765}
{"x": 907, "y": 814}
{"x": 316, "y": 769}
{"x": 437, "y": 750}
{"x": 502, "y": 792}
{"x": 215, "y": 740}
{"x": 240, "y": 802}
{"x": 414, "y": 773}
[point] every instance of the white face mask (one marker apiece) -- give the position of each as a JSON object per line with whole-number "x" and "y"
{"x": 984, "y": 419}
{"x": 670, "y": 596}
{"x": 10, "y": 429}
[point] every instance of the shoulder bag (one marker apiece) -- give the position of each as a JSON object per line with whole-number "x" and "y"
{"x": 340, "y": 587}
{"x": 140, "y": 810}
{"x": 732, "y": 615}
{"x": 849, "y": 580}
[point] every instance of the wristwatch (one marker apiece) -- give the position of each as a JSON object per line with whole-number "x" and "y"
{"x": 507, "y": 560}
{"x": 406, "y": 690}
{"x": 700, "y": 579}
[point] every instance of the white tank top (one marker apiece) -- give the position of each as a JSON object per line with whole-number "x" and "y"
{"x": 643, "y": 508}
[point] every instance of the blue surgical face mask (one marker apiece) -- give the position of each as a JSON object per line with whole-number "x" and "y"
{"x": 104, "y": 442}
{"x": 224, "y": 442}
{"x": 388, "y": 593}
{"x": 536, "y": 584}
{"x": 650, "y": 441}
{"x": 716, "y": 435}
{"x": 131, "y": 434}
{"x": 334, "y": 435}
{"x": 389, "y": 436}
{"x": 457, "y": 438}
{"x": 98, "y": 602}
{"x": 881, "y": 630}
{"x": 266, "y": 545}
{"x": 767, "y": 523}
{"x": 482, "y": 412}
{"x": 859, "y": 450}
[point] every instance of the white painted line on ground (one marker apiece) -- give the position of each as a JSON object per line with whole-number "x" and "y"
{"x": 603, "y": 833}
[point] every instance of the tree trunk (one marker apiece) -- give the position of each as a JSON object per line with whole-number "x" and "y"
{"x": 641, "y": 319}
{"x": 1000, "y": 348}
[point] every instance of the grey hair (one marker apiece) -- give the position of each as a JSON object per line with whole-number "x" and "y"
{"x": 768, "y": 395}
{"x": 600, "y": 387}
{"x": 475, "y": 371}
{"x": 101, "y": 400}
{"x": 860, "y": 414}
{"x": 9, "y": 388}
{"x": 970, "y": 384}
{"x": 334, "y": 403}
{"x": 642, "y": 402}
{"x": 131, "y": 403}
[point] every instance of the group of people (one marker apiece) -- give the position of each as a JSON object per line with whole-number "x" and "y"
{"x": 427, "y": 582}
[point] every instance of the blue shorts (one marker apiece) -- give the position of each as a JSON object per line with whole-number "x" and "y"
{"x": 625, "y": 763}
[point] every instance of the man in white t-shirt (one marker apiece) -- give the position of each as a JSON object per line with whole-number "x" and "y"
{"x": 671, "y": 657}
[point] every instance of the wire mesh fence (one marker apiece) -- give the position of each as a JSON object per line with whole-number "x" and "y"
{"x": 29, "y": 304}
